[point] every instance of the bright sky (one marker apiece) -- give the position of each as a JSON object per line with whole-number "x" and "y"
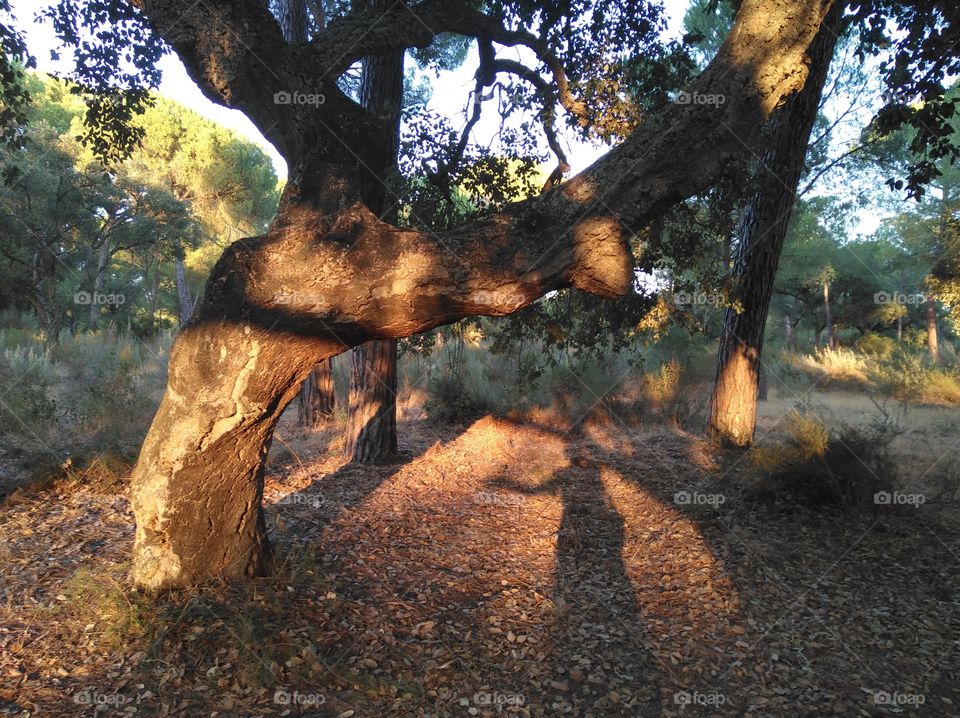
{"x": 450, "y": 90}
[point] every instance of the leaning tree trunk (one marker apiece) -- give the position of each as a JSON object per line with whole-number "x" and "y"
{"x": 184, "y": 302}
{"x": 372, "y": 410}
{"x": 733, "y": 405}
{"x": 198, "y": 483}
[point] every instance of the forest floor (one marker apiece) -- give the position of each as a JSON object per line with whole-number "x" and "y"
{"x": 505, "y": 567}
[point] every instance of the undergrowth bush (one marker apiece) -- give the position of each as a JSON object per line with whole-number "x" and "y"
{"x": 877, "y": 345}
{"x": 89, "y": 396}
{"x": 813, "y": 467}
{"x": 465, "y": 381}
{"x": 910, "y": 377}
{"x": 836, "y": 367}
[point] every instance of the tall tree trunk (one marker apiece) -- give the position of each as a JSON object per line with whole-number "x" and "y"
{"x": 900, "y": 330}
{"x": 155, "y": 296}
{"x": 318, "y": 397}
{"x": 316, "y": 401}
{"x": 183, "y": 291}
{"x": 372, "y": 410}
{"x": 103, "y": 259}
{"x": 292, "y": 16}
{"x": 789, "y": 333}
{"x": 932, "y": 344}
{"x": 372, "y": 432}
{"x": 48, "y": 313}
{"x": 828, "y": 316}
{"x": 733, "y": 405}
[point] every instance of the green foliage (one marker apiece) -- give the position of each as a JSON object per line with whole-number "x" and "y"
{"x": 115, "y": 59}
{"x": 71, "y": 230}
{"x": 593, "y": 40}
{"x": 27, "y": 390}
{"x": 877, "y": 345}
{"x": 460, "y": 180}
{"x": 14, "y": 91}
{"x": 915, "y": 41}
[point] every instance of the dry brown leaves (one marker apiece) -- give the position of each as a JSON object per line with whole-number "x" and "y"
{"x": 507, "y": 568}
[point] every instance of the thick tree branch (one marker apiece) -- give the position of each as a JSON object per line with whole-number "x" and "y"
{"x": 373, "y": 32}
{"x": 574, "y": 234}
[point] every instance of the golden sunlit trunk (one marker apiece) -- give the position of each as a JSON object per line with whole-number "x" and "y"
{"x": 372, "y": 426}
{"x": 762, "y": 231}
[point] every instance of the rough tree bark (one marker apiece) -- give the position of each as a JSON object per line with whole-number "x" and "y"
{"x": 183, "y": 291}
{"x": 198, "y": 483}
{"x": 317, "y": 399}
{"x": 733, "y": 404}
{"x": 372, "y": 425}
{"x": 372, "y": 411}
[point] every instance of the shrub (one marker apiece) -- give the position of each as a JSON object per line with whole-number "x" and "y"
{"x": 812, "y": 467}
{"x": 87, "y": 397}
{"x": 877, "y": 346}
{"x": 910, "y": 378}
{"x": 661, "y": 386}
{"x": 836, "y": 366}
{"x": 940, "y": 386}
{"x": 28, "y": 408}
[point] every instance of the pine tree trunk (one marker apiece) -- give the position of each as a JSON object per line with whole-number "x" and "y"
{"x": 183, "y": 291}
{"x": 932, "y": 344}
{"x": 828, "y": 314}
{"x": 372, "y": 428}
{"x": 103, "y": 258}
{"x": 372, "y": 421}
{"x": 733, "y": 405}
{"x": 316, "y": 401}
{"x": 789, "y": 333}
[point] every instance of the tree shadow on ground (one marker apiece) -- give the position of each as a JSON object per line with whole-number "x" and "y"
{"x": 600, "y": 629}
{"x": 830, "y": 613}
{"x": 515, "y": 562}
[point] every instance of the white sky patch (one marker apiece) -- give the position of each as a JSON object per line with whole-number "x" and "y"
{"x": 450, "y": 89}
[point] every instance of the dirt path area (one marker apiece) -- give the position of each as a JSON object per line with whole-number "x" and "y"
{"x": 506, "y": 568}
